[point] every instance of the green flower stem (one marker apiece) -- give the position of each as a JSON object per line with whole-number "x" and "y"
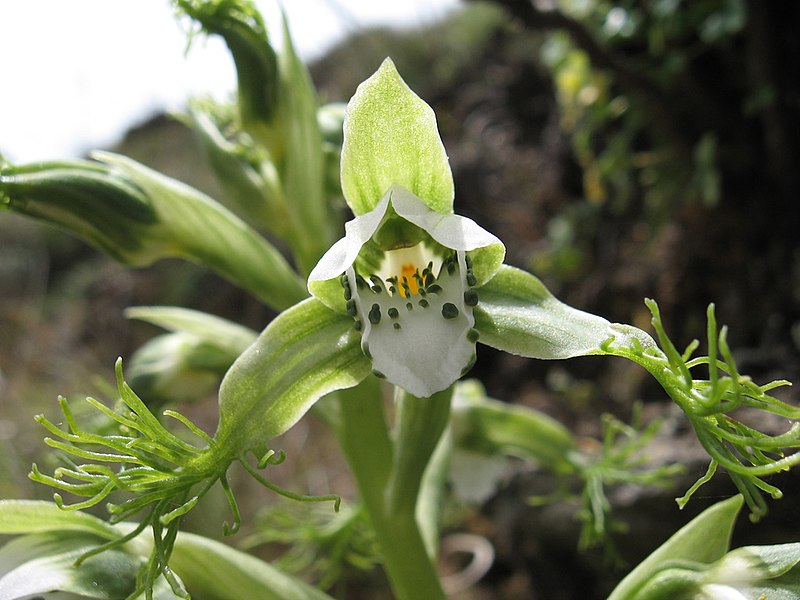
{"x": 368, "y": 448}
{"x": 420, "y": 423}
{"x": 365, "y": 436}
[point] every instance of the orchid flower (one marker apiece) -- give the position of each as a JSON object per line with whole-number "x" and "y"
{"x": 413, "y": 305}
{"x": 409, "y": 272}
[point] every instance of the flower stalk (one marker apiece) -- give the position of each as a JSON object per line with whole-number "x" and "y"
{"x": 374, "y": 459}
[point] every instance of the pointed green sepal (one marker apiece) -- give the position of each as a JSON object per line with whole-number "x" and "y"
{"x": 483, "y": 425}
{"x": 305, "y": 353}
{"x": 278, "y": 110}
{"x": 93, "y": 201}
{"x": 46, "y": 560}
{"x": 249, "y": 180}
{"x": 391, "y": 137}
{"x": 302, "y": 163}
{"x": 519, "y": 315}
{"x": 37, "y": 516}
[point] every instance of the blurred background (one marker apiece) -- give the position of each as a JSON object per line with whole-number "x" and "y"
{"x": 621, "y": 150}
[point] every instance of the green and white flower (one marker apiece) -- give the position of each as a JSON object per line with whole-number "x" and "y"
{"x": 405, "y": 273}
{"x": 413, "y": 275}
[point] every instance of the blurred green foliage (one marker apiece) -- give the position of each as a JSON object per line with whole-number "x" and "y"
{"x": 615, "y": 97}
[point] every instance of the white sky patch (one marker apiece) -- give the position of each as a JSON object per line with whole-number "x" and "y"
{"x": 77, "y": 74}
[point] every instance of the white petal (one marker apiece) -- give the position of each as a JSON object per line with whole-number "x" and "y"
{"x": 715, "y": 591}
{"x": 343, "y": 253}
{"x": 428, "y": 351}
{"x": 451, "y": 231}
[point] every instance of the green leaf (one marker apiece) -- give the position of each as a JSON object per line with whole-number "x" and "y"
{"x": 105, "y": 208}
{"x": 301, "y": 164}
{"x": 35, "y": 516}
{"x": 331, "y": 122}
{"x": 391, "y": 137}
{"x": 490, "y": 427}
{"x": 139, "y": 216}
{"x": 250, "y": 182}
{"x": 278, "y": 108}
{"x": 305, "y": 353}
{"x": 517, "y": 314}
{"x": 200, "y": 229}
{"x": 239, "y": 23}
{"x": 227, "y": 335}
{"x": 215, "y": 571}
{"x": 704, "y": 539}
{"x": 44, "y": 562}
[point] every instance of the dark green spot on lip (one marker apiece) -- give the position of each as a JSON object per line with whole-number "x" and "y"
{"x": 375, "y": 314}
{"x": 449, "y": 310}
